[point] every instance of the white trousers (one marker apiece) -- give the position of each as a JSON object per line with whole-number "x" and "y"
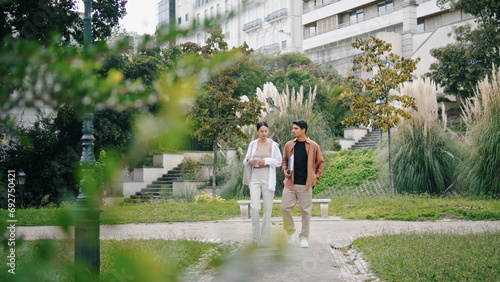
{"x": 259, "y": 186}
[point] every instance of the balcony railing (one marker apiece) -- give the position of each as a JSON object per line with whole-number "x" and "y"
{"x": 199, "y": 3}
{"x": 268, "y": 48}
{"x": 318, "y": 6}
{"x": 276, "y": 15}
{"x": 365, "y": 18}
{"x": 253, "y": 24}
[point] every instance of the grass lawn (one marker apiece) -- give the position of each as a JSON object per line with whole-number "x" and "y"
{"x": 127, "y": 260}
{"x": 433, "y": 257}
{"x": 415, "y": 208}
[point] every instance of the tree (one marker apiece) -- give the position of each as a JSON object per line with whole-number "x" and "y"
{"x": 218, "y": 113}
{"x": 282, "y": 62}
{"x": 40, "y": 20}
{"x": 374, "y": 104}
{"x": 48, "y": 153}
{"x": 294, "y": 78}
{"x": 66, "y": 75}
{"x": 294, "y": 70}
{"x": 333, "y": 108}
{"x": 462, "y": 64}
{"x": 249, "y": 76}
{"x": 484, "y": 10}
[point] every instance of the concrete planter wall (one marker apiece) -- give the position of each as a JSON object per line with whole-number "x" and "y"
{"x": 186, "y": 187}
{"x": 346, "y": 144}
{"x": 111, "y": 201}
{"x": 355, "y": 133}
{"x": 167, "y": 161}
{"x": 351, "y": 136}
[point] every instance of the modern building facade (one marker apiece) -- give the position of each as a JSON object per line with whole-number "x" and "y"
{"x": 266, "y": 26}
{"x": 323, "y": 30}
{"x": 413, "y": 27}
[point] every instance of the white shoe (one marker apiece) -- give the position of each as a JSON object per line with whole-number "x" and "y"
{"x": 304, "y": 243}
{"x": 291, "y": 238}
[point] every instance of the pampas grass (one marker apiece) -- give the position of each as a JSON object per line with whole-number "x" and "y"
{"x": 424, "y": 154}
{"x": 281, "y": 109}
{"x": 479, "y": 173}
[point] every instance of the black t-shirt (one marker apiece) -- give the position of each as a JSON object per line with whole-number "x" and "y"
{"x": 300, "y": 163}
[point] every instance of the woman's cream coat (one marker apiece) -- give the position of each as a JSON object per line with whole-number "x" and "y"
{"x": 273, "y": 162}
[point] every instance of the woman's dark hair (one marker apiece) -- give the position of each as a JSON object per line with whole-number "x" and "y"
{"x": 261, "y": 124}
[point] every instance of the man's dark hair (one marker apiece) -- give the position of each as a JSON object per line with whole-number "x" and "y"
{"x": 301, "y": 123}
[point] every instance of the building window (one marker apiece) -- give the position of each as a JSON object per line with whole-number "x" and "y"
{"x": 385, "y": 6}
{"x": 283, "y": 44}
{"x": 226, "y": 29}
{"x": 357, "y": 16}
{"x": 313, "y": 29}
{"x": 218, "y": 9}
{"x": 179, "y": 20}
{"x": 390, "y": 29}
{"x": 420, "y": 25}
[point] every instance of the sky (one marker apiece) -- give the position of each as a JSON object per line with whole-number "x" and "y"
{"x": 141, "y": 17}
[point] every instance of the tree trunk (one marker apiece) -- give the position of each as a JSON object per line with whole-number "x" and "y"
{"x": 214, "y": 167}
{"x": 391, "y": 174}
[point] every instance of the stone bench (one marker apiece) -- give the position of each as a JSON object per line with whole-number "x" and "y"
{"x": 245, "y": 206}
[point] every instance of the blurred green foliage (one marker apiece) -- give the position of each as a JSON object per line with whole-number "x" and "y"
{"x": 347, "y": 168}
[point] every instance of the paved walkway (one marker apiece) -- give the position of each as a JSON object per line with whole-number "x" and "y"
{"x": 322, "y": 261}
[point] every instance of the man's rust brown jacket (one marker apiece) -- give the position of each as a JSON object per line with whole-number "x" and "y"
{"x": 315, "y": 162}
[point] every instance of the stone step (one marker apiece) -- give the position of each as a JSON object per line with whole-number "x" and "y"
{"x": 147, "y": 190}
{"x": 363, "y": 147}
{"x": 374, "y": 143}
{"x": 371, "y": 140}
{"x": 154, "y": 192}
{"x": 157, "y": 187}
{"x": 168, "y": 178}
{"x": 162, "y": 182}
{"x": 367, "y": 141}
{"x": 154, "y": 186}
{"x": 171, "y": 174}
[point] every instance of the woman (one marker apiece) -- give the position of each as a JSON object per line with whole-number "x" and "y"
{"x": 263, "y": 156}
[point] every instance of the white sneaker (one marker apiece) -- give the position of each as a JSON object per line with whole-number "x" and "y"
{"x": 304, "y": 243}
{"x": 291, "y": 238}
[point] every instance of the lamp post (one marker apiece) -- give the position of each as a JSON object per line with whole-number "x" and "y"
{"x": 87, "y": 23}
{"x": 21, "y": 179}
{"x": 87, "y": 224}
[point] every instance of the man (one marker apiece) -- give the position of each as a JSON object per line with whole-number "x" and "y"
{"x": 302, "y": 165}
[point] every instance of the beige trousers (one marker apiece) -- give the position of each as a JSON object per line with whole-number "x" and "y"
{"x": 298, "y": 194}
